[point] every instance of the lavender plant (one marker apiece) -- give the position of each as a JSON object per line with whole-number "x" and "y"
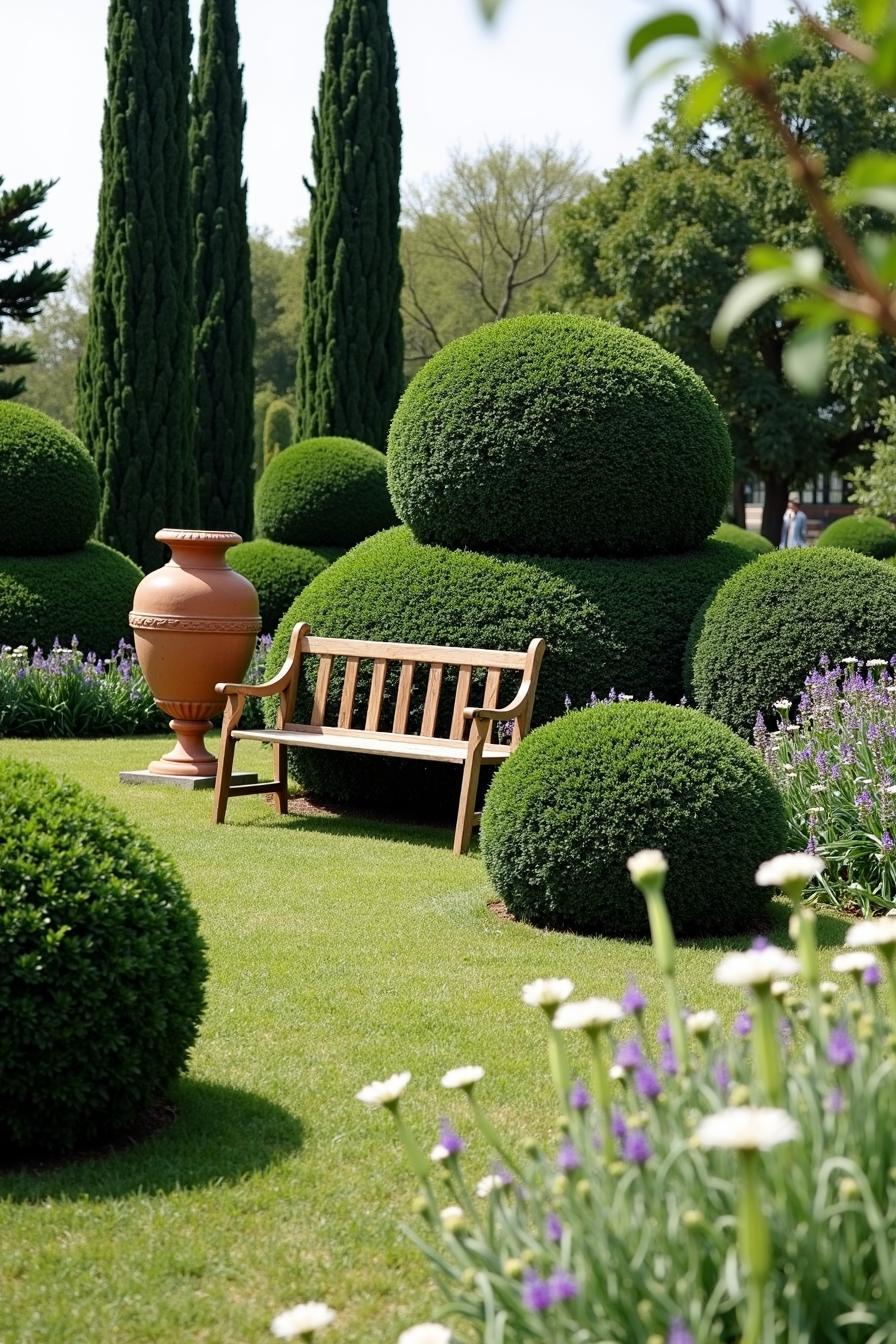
{"x": 709, "y": 1187}
{"x": 834, "y": 758}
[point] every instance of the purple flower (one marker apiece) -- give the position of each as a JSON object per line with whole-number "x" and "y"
{"x": 562, "y": 1286}
{"x": 617, "y": 1123}
{"x": 568, "y": 1157}
{"x": 833, "y": 1102}
{"x": 863, "y": 800}
{"x": 785, "y": 1031}
{"x": 722, "y": 1075}
{"x": 886, "y": 842}
{"x": 629, "y": 1054}
{"x": 553, "y": 1228}
{"x": 841, "y": 1052}
{"x": 664, "y": 1033}
{"x": 633, "y": 1001}
{"x": 536, "y": 1293}
{"x": 646, "y": 1082}
{"x": 450, "y": 1140}
{"x": 759, "y": 943}
{"x": 679, "y": 1333}
{"x": 579, "y": 1096}
{"x": 668, "y": 1062}
{"x": 847, "y": 754}
{"x": 871, "y": 977}
{"x": 743, "y": 1024}
{"x": 636, "y": 1147}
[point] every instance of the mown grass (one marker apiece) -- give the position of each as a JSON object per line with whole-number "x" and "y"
{"x": 340, "y": 951}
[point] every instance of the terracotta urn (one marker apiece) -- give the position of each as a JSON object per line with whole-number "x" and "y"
{"x": 195, "y": 622}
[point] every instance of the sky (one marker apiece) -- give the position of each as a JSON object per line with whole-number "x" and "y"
{"x": 546, "y": 69}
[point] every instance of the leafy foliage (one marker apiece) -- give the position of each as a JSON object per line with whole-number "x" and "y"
{"x": 101, "y": 981}
{"x": 135, "y": 382}
{"x": 606, "y": 623}
{"x": 22, "y": 292}
{"x": 87, "y": 592}
{"x": 580, "y": 794}
{"x": 350, "y": 351}
{"x": 739, "y": 536}
{"x": 64, "y": 694}
{"x": 873, "y": 484}
{"x": 559, "y": 434}
{"x": 278, "y": 572}
{"x": 222, "y": 287}
{"x": 767, "y": 626}
{"x": 328, "y": 492}
{"x": 49, "y": 489}
{"x": 57, "y": 337}
{"x": 863, "y": 533}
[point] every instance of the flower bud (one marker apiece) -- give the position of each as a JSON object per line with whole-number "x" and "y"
{"x": 468, "y": 1278}
{"x": 513, "y": 1269}
{"x": 740, "y": 1095}
{"x": 692, "y": 1218}
{"x": 420, "y": 1205}
{"x": 560, "y": 1184}
{"x": 617, "y": 1168}
{"x": 563, "y": 1124}
{"x": 527, "y": 1256}
{"x": 828, "y": 1012}
{"x": 583, "y": 1189}
{"x": 638, "y": 1120}
{"x": 644, "y": 1310}
{"x": 854, "y": 1008}
{"x": 848, "y": 1188}
{"x": 655, "y": 1339}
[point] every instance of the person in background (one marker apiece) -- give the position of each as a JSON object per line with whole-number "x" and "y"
{"x": 793, "y": 529}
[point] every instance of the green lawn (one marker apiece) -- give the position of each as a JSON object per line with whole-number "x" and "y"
{"x": 340, "y": 951}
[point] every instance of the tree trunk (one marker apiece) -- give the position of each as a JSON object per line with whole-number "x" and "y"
{"x": 738, "y": 504}
{"x": 776, "y": 491}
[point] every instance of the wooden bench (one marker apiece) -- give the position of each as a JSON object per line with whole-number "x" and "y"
{"x": 468, "y": 742}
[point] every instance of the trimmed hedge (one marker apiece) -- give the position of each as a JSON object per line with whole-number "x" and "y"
{"x": 753, "y": 542}
{"x": 87, "y": 593}
{"x": 558, "y": 434}
{"x": 102, "y": 973}
{"x": 607, "y": 623}
{"x": 323, "y": 492}
{"x": 278, "y": 573}
{"x": 49, "y": 487}
{"x": 581, "y": 794}
{"x": 765, "y": 628}
{"x": 863, "y": 533}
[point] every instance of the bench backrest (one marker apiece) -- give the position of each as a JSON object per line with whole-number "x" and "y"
{"x": 401, "y": 667}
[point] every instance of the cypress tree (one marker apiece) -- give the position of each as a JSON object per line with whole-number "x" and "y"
{"x": 135, "y": 382}
{"x": 278, "y": 430}
{"x": 224, "y": 333}
{"x": 350, "y": 350}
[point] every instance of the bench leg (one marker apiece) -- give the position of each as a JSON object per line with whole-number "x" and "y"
{"x": 469, "y": 784}
{"x": 282, "y": 779}
{"x": 222, "y": 780}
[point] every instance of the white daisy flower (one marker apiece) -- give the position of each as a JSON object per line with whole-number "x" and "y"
{"x": 624, "y": 698}
{"x": 747, "y": 1128}
{"x": 828, "y": 989}
{"x": 426, "y": 1333}
{"x": 818, "y": 788}
{"x": 439, "y": 1153}
{"x": 451, "y": 1217}
{"x": 465, "y": 1076}
{"x": 780, "y": 988}
{"x": 494, "y": 1181}
{"x": 588, "y": 1015}
{"x": 546, "y": 993}
{"x": 872, "y": 933}
{"x": 756, "y": 967}
{"x": 647, "y": 863}
{"x": 848, "y": 662}
{"x": 853, "y": 963}
{"x": 698, "y": 1024}
{"x": 303, "y": 1319}
{"x": 785, "y": 869}
{"x": 617, "y": 1073}
{"x": 384, "y": 1093}
{"x": 781, "y": 704}
{"x": 875, "y": 662}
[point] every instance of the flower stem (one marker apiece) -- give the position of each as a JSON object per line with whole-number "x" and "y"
{"x": 768, "y": 1062}
{"x": 663, "y": 940}
{"x": 600, "y": 1082}
{"x": 755, "y": 1246}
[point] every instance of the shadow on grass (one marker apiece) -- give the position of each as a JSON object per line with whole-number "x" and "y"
{"x": 433, "y": 835}
{"x": 218, "y": 1135}
{"x": 830, "y": 928}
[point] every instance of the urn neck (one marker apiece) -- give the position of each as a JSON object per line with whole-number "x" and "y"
{"x": 197, "y": 549}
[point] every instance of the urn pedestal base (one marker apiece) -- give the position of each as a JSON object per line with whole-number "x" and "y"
{"x": 188, "y": 782}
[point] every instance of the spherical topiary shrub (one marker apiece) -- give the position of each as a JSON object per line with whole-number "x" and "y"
{"x": 607, "y": 623}
{"x": 581, "y": 794}
{"x": 278, "y": 574}
{"x": 327, "y": 492}
{"x": 560, "y": 435}
{"x": 85, "y": 593}
{"x": 753, "y": 542}
{"x": 863, "y": 533}
{"x": 102, "y": 972}
{"x": 766, "y": 627}
{"x": 49, "y": 487}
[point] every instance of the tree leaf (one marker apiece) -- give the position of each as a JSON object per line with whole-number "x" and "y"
{"x": 764, "y": 257}
{"x": 704, "y": 96}
{"x": 743, "y": 300}
{"x": 873, "y": 14}
{"x": 805, "y": 359}
{"x": 676, "y": 23}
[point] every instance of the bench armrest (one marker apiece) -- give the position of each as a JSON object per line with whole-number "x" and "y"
{"x": 511, "y": 711}
{"x": 272, "y": 687}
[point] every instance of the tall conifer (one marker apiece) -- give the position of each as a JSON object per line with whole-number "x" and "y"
{"x": 350, "y": 349}
{"x": 222, "y": 283}
{"x": 135, "y": 382}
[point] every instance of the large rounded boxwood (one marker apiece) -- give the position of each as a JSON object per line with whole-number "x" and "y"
{"x": 765, "y": 628}
{"x": 753, "y": 542}
{"x": 85, "y": 593}
{"x": 277, "y": 572}
{"x": 558, "y": 434}
{"x": 49, "y": 487}
{"x": 102, "y": 967}
{"x": 581, "y": 794}
{"x": 863, "y": 533}
{"x": 323, "y": 492}
{"x": 607, "y": 623}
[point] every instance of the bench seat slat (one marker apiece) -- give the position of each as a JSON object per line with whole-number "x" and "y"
{"x": 415, "y": 653}
{"x": 406, "y": 745}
